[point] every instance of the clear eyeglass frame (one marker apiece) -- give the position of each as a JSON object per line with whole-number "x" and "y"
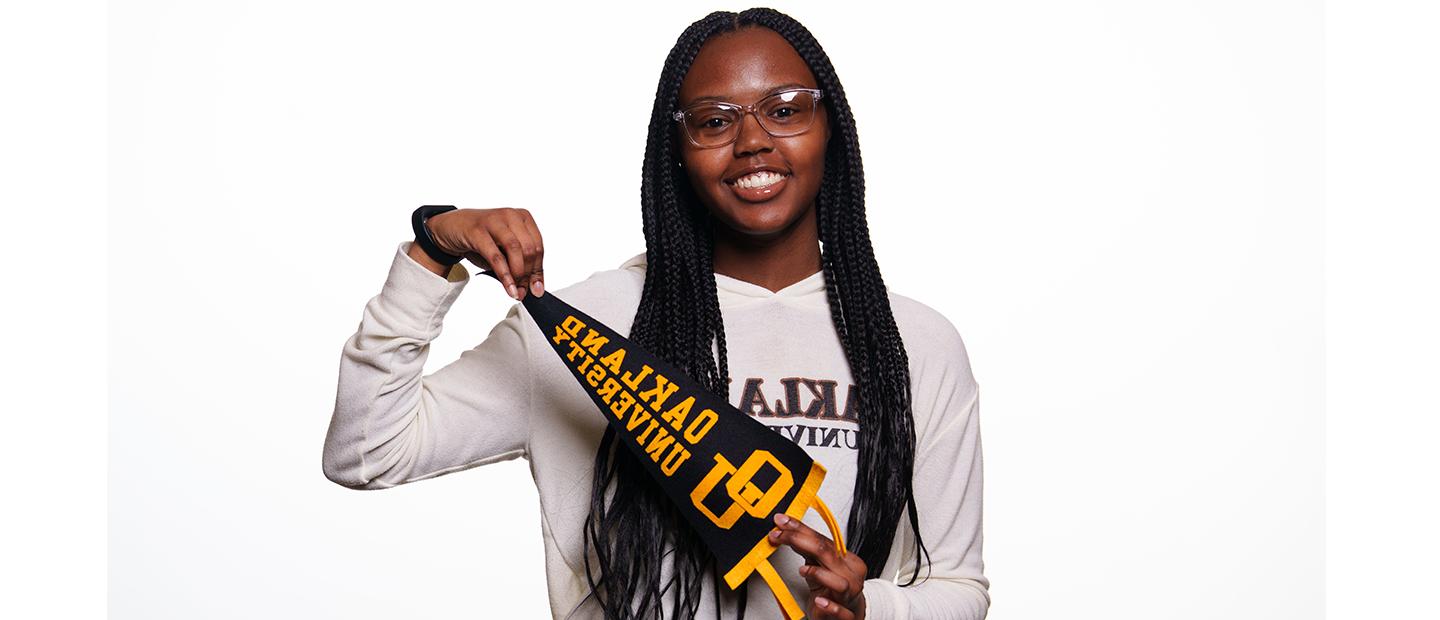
{"x": 752, "y": 109}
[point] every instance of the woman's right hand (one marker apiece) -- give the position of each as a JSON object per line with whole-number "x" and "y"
{"x": 504, "y": 240}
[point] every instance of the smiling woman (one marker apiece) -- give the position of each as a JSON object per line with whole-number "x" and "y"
{"x": 760, "y": 186}
{"x": 758, "y": 260}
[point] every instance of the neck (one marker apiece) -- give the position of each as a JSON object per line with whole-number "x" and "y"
{"x": 773, "y": 262}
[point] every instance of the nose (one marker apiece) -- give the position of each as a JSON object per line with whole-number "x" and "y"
{"x": 753, "y": 137}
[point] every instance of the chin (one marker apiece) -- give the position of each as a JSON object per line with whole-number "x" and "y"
{"x": 759, "y": 227}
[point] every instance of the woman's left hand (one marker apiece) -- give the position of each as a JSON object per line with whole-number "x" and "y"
{"x": 836, "y": 583}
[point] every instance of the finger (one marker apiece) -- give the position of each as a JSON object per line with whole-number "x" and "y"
{"x": 826, "y": 573}
{"x": 514, "y": 250}
{"x": 537, "y": 283}
{"x": 825, "y": 581}
{"x": 812, "y": 545}
{"x": 514, "y": 222}
{"x": 825, "y": 608}
{"x": 857, "y": 565}
{"x": 487, "y": 250}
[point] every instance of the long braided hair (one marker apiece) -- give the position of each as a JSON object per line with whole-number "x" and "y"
{"x": 679, "y": 320}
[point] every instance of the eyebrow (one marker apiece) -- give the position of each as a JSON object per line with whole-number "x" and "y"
{"x": 786, "y": 86}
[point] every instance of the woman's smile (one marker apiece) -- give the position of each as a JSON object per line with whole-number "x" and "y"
{"x": 759, "y": 186}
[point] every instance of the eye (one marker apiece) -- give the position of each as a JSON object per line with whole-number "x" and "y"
{"x": 777, "y": 113}
{"x": 714, "y": 122}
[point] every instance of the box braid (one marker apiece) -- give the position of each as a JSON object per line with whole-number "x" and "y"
{"x": 679, "y": 320}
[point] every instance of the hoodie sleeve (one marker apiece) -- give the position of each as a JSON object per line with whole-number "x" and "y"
{"x": 947, "y": 480}
{"x": 391, "y": 425}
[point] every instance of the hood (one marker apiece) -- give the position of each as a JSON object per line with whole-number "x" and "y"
{"x": 734, "y": 289}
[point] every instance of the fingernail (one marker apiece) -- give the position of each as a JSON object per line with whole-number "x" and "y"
{"x": 774, "y": 534}
{"x": 781, "y": 518}
{"x": 514, "y": 293}
{"x": 536, "y": 288}
{"x": 822, "y": 601}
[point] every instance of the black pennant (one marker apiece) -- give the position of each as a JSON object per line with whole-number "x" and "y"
{"x": 726, "y": 472}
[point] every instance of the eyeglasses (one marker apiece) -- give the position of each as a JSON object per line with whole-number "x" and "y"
{"x": 712, "y": 124}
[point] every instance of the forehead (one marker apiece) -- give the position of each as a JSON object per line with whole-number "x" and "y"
{"x": 743, "y": 66}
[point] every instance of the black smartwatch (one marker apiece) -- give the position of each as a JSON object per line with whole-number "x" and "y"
{"x": 422, "y": 234}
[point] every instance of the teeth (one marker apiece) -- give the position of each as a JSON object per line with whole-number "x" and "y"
{"x": 759, "y": 179}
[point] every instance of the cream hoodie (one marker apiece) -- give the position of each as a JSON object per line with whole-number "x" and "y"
{"x": 511, "y": 396}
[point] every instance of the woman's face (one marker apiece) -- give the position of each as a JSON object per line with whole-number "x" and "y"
{"x": 742, "y": 67}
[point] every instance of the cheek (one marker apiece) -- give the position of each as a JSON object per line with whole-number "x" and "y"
{"x": 703, "y": 177}
{"x": 705, "y": 172}
{"x": 811, "y": 157}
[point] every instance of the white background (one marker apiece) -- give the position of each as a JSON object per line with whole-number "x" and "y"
{"x": 1123, "y": 206}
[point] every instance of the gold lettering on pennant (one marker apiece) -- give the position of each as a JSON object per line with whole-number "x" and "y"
{"x": 622, "y": 403}
{"x": 638, "y": 417}
{"x": 678, "y": 455}
{"x": 572, "y": 325}
{"x": 657, "y": 446}
{"x": 660, "y": 393}
{"x": 664, "y": 447}
{"x": 677, "y": 414}
{"x": 653, "y": 424}
{"x": 608, "y": 390}
{"x": 632, "y": 381}
{"x": 597, "y": 372}
{"x": 700, "y": 426}
{"x": 745, "y": 497}
{"x": 614, "y": 360}
{"x": 593, "y": 341}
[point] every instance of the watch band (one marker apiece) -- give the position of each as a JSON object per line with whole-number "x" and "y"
{"x": 422, "y": 233}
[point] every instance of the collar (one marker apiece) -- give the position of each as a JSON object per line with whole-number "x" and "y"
{"x": 726, "y": 286}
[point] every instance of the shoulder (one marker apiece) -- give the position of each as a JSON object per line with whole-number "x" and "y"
{"x": 610, "y": 295}
{"x": 943, "y": 388}
{"x": 931, "y": 341}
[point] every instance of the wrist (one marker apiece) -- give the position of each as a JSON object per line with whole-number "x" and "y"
{"x": 423, "y": 238}
{"x": 420, "y": 257}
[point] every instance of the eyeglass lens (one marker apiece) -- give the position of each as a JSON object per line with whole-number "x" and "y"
{"x": 782, "y": 114}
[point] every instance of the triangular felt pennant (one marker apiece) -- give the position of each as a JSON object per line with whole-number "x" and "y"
{"x": 726, "y": 472}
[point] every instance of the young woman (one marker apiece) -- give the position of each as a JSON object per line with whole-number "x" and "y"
{"x": 752, "y": 164}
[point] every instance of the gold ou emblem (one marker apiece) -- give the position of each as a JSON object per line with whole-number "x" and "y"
{"x": 746, "y": 498}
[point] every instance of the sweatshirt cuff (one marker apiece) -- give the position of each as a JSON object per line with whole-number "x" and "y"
{"x": 416, "y": 293}
{"x": 883, "y": 600}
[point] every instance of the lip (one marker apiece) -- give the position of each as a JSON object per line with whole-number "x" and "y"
{"x": 761, "y": 194}
{"x": 730, "y": 180}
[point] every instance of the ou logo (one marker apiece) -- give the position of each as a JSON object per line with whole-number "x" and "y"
{"x": 746, "y": 498}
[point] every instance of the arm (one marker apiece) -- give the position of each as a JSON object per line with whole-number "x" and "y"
{"x": 948, "y": 480}
{"x": 392, "y": 426}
